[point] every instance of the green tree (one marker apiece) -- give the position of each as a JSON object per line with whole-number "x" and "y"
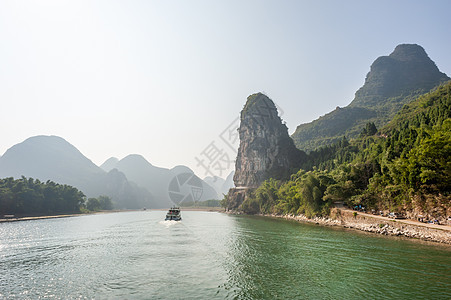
{"x": 105, "y": 203}
{"x": 93, "y": 204}
{"x": 369, "y": 130}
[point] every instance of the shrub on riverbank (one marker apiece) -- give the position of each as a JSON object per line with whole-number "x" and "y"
{"x": 100, "y": 203}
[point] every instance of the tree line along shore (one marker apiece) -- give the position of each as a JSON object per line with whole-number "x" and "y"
{"x": 28, "y": 197}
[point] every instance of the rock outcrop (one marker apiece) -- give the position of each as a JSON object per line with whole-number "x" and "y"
{"x": 266, "y": 150}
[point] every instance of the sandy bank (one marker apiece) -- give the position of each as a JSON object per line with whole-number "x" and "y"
{"x": 36, "y": 218}
{"x": 30, "y": 218}
{"x": 217, "y": 209}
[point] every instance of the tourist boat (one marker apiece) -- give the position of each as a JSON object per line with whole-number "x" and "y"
{"x": 173, "y": 214}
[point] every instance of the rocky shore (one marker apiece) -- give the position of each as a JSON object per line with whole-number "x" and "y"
{"x": 367, "y": 223}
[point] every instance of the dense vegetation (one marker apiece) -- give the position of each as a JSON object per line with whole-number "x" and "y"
{"x": 405, "y": 166}
{"x": 27, "y": 196}
{"x": 99, "y": 203}
{"x": 348, "y": 122}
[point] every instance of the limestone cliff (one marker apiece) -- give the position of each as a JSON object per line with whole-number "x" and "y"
{"x": 266, "y": 150}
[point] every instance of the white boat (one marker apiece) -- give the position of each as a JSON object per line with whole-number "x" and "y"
{"x": 173, "y": 214}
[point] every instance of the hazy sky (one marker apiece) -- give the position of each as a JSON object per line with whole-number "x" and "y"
{"x": 165, "y": 79}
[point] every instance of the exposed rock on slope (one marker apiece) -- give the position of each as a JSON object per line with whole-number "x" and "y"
{"x": 393, "y": 81}
{"x": 266, "y": 150}
{"x": 407, "y": 69}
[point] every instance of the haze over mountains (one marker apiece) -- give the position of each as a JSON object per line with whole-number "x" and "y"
{"x": 156, "y": 179}
{"x": 52, "y": 158}
{"x": 131, "y": 182}
{"x": 222, "y": 186}
{"x": 392, "y": 82}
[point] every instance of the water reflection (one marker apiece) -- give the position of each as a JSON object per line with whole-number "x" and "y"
{"x": 279, "y": 259}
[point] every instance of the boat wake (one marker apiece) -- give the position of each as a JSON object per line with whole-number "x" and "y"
{"x": 168, "y": 223}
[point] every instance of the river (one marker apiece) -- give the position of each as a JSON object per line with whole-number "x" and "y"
{"x": 208, "y": 255}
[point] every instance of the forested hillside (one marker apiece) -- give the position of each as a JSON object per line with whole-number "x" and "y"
{"x": 404, "y": 167}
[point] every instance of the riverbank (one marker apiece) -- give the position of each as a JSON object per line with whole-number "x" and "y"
{"x": 16, "y": 219}
{"x": 39, "y": 217}
{"x": 380, "y": 225}
{"x": 191, "y": 208}
{"x": 203, "y": 208}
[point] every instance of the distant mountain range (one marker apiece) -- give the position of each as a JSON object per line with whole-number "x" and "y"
{"x": 53, "y": 158}
{"x": 131, "y": 182}
{"x": 392, "y": 82}
{"x": 165, "y": 184}
{"x": 222, "y": 186}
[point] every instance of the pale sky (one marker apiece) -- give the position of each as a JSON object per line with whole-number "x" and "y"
{"x": 164, "y": 79}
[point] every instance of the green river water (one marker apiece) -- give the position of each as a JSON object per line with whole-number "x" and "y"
{"x": 136, "y": 255}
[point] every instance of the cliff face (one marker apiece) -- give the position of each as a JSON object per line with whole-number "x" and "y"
{"x": 266, "y": 150}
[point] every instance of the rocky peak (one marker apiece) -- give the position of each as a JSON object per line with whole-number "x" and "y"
{"x": 407, "y": 69}
{"x": 393, "y": 81}
{"x": 109, "y": 164}
{"x": 266, "y": 150}
{"x": 409, "y": 52}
